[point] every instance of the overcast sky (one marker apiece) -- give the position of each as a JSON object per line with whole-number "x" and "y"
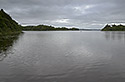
{"x": 69, "y": 13}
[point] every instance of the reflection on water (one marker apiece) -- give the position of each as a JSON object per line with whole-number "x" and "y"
{"x": 6, "y": 43}
{"x": 64, "y": 57}
{"x": 115, "y": 35}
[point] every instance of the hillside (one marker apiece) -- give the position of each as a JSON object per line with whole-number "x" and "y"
{"x": 114, "y": 28}
{"x": 46, "y": 28}
{"x": 7, "y": 24}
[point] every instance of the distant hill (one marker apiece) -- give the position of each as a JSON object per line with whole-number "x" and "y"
{"x": 46, "y": 28}
{"x": 114, "y": 28}
{"x": 7, "y": 24}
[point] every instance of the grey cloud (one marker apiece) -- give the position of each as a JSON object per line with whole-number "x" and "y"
{"x": 77, "y": 13}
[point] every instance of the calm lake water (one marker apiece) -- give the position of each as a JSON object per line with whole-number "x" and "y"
{"x": 63, "y": 57}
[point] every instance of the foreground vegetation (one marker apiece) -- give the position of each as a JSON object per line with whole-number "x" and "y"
{"x": 46, "y": 28}
{"x": 9, "y": 32}
{"x": 8, "y": 25}
{"x": 114, "y": 28}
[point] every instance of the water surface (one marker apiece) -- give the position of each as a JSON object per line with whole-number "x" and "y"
{"x": 64, "y": 57}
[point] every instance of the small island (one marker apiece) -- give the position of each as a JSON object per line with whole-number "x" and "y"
{"x": 114, "y": 28}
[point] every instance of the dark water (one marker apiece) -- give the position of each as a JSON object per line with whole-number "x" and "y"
{"x": 63, "y": 57}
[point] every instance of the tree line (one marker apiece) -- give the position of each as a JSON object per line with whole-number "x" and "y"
{"x": 114, "y": 28}
{"x": 46, "y": 28}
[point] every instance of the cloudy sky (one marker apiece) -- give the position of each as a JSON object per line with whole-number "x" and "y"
{"x": 69, "y": 13}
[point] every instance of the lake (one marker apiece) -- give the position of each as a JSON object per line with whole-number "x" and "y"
{"x": 63, "y": 56}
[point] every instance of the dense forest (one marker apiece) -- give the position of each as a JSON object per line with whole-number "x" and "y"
{"x": 46, "y": 28}
{"x": 114, "y": 28}
{"x": 8, "y": 25}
